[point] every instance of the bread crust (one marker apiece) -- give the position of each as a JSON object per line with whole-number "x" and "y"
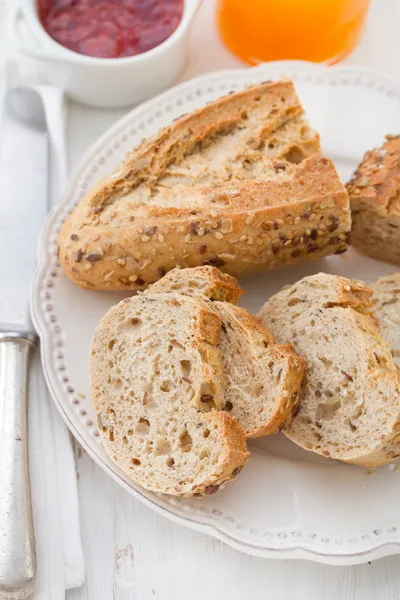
{"x": 374, "y": 192}
{"x": 207, "y": 282}
{"x": 113, "y": 241}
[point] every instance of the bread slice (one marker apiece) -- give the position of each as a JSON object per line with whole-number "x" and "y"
{"x": 157, "y": 389}
{"x": 375, "y": 202}
{"x": 262, "y": 378}
{"x": 238, "y": 184}
{"x": 205, "y": 282}
{"x": 350, "y": 402}
{"x": 386, "y": 299}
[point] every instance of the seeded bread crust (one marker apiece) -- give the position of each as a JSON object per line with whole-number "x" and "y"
{"x": 350, "y": 402}
{"x": 386, "y": 299}
{"x": 374, "y": 192}
{"x": 239, "y": 184}
{"x": 157, "y": 389}
{"x": 262, "y": 378}
{"x": 205, "y": 282}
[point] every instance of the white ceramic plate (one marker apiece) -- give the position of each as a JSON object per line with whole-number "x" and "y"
{"x": 287, "y": 503}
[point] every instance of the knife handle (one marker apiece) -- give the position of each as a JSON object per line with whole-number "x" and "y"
{"x": 17, "y": 543}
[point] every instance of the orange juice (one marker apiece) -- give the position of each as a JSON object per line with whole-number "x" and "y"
{"x": 315, "y": 30}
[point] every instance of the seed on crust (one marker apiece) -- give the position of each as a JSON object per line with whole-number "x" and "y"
{"x": 194, "y": 227}
{"x": 267, "y": 225}
{"x": 93, "y": 257}
{"x": 78, "y": 255}
{"x": 150, "y": 230}
{"x": 214, "y": 261}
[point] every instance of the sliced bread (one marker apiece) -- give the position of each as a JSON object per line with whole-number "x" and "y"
{"x": 238, "y": 184}
{"x": 157, "y": 388}
{"x": 262, "y": 378}
{"x": 350, "y": 403}
{"x": 374, "y": 192}
{"x": 386, "y": 299}
{"x": 206, "y": 282}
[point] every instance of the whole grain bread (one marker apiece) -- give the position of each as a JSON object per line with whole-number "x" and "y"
{"x": 239, "y": 184}
{"x": 350, "y": 403}
{"x": 374, "y": 192}
{"x": 205, "y": 282}
{"x": 262, "y": 379}
{"x": 157, "y": 388}
{"x": 386, "y": 299}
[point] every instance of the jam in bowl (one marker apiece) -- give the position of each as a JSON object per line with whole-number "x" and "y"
{"x": 105, "y": 53}
{"x": 110, "y": 28}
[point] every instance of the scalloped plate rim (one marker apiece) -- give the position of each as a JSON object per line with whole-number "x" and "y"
{"x": 300, "y": 550}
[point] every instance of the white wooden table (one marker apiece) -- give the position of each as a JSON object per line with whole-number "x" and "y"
{"x": 131, "y": 553}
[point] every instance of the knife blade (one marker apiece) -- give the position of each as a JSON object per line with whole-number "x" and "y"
{"x": 23, "y": 205}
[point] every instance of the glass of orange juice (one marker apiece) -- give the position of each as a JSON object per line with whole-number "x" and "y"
{"x": 315, "y": 30}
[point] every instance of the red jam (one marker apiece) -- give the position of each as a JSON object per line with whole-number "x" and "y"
{"x": 110, "y": 28}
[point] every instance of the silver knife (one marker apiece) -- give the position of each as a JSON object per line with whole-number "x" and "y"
{"x": 23, "y": 206}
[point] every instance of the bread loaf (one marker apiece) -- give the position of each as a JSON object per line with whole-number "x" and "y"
{"x": 262, "y": 379}
{"x": 375, "y": 203}
{"x": 386, "y": 299}
{"x": 157, "y": 388}
{"x": 350, "y": 403}
{"x": 239, "y": 184}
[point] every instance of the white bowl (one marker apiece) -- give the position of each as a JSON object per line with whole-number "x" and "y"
{"x": 102, "y": 82}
